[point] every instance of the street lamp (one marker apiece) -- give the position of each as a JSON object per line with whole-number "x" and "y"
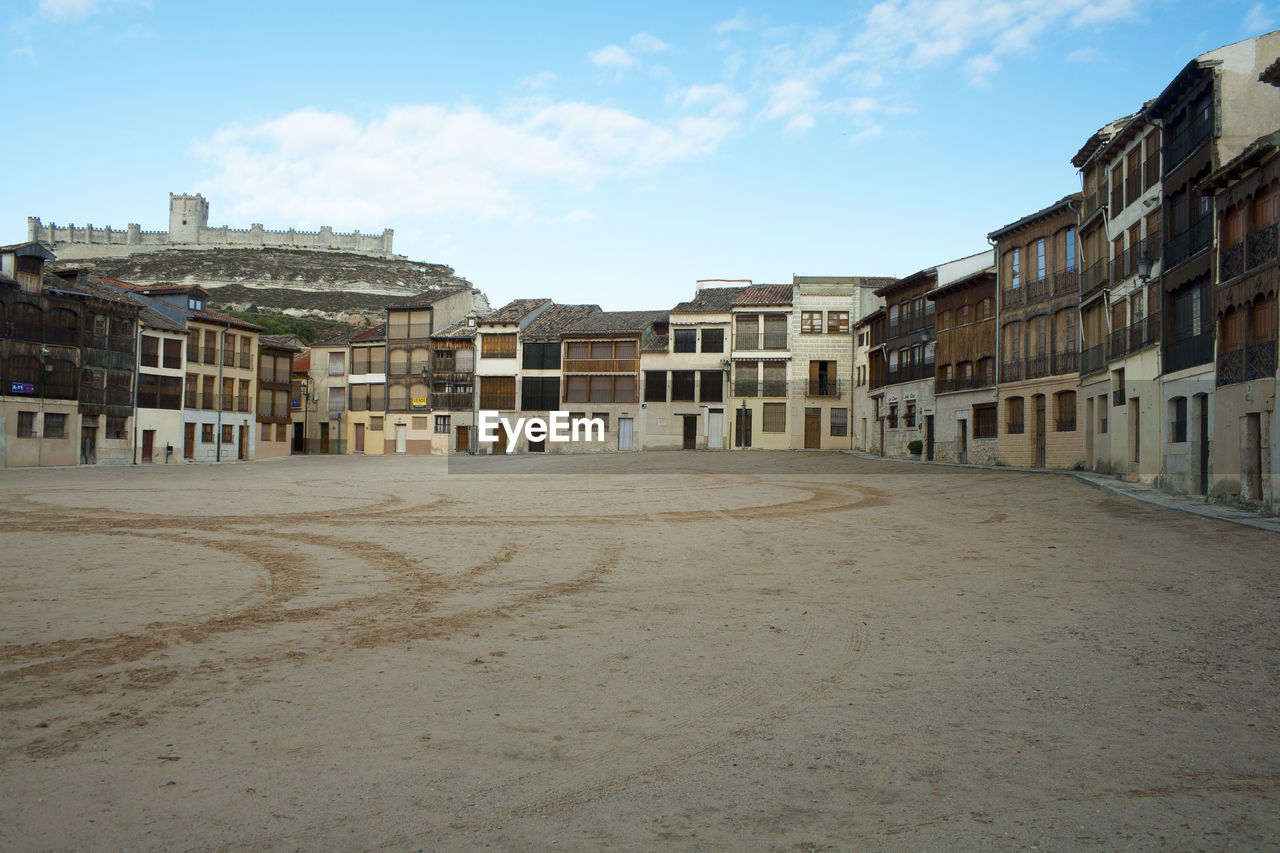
{"x": 1144, "y": 268}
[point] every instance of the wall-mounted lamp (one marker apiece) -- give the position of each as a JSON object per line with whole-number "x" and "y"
{"x": 1144, "y": 268}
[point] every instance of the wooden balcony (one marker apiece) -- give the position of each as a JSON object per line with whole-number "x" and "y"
{"x": 601, "y": 365}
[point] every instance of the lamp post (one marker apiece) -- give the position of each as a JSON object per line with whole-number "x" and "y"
{"x": 306, "y": 400}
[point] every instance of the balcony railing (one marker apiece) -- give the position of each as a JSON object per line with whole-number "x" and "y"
{"x": 1012, "y": 297}
{"x": 1096, "y": 201}
{"x": 825, "y": 388}
{"x": 1117, "y": 342}
{"x": 1261, "y": 246}
{"x": 453, "y": 401}
{"x": 1230, "y": 262}
{"x": 1256, "y": 361}
{"x": 1187, "y": 242}
{"x": 1037, "y": 366}
{"x": 944, "y": 385}
{"x": 1124, "y": 265}
{"x": 1132, "y": 186}
{"x": 910, "y": 372}
{"x": 1012, "y": 371}
{"x": 244, "y": 360}
{"x": 1188, "y": 352}
{"x": 907, "y": 323}
{"x": 242, "y": 403}
{"x": 1093, "y": 359}
{"x": 1117, "y": 198}
{"x": 756, "y": 388}
{"x": 1151, "y": 171}
{"x": 1185, "y": 143}
{"x": 600, "y": 365}
{"x": 1066, "y": 281}
{"x": 1038, "y": 289}
{"x": 206, "y": 400}
{"x": 1093, "y": 278}
{"x": 1117, "y": 396}
{"x": 210, "y": 355}
{"x": 1067, "y": 361}
{"x": 757, "y": 341}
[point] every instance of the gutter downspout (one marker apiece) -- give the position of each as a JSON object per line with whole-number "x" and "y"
{"x": 137, "y": 377}
{"x": 995, "y": 252}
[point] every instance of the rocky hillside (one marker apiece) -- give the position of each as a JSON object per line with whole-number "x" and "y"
{"x": 329, "y": 285}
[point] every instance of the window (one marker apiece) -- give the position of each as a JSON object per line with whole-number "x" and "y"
{"x": 837, "y": 322}
{"x": 1065, "y": 402}
{"x": 194, "y": 303}
{"x": 1016, "y": 278}
{"x": 603, "y": 416}
{"x": 810, "y": 322}
{"x": 375, "y": 424}
{"x": 442, "y": 424}
{"x": 1071, "y": 249}
{"x": 775, "y": 331}
{"x": 1013, "y": 416}
{"x": 418, "y": 423}
{"x": 682, "y": 386}
{"x": 893, "y": 416}
{"x": 775, "y": 379}
{"x": 228, "y": 434}
{"x": 337, "y": 363}
{"x": 985, "y": 308}
{"x": 1040, "y": 267}
{"x": 172, "y": 354}
{"x": 116, "y": 427}
{"x": 149, "y": 354}
{"x": 655, "y": 386}
{"x": 206, "y": 433}
{"x": 1178, "y": 428}
{"x": 685, "y": 340}
{"x": 576, "y": 389}
{"x": 242, "y": 397}
{"x": 26, "y": 424}
{"x": 266, "y": 432}
{"x": 909, "y": 416}
{"x": 498, "y": 392}
{"x": 541, "y": 356}
{"x": 839, "y": 421}
{"x": 464, "y": 360}
{"x": 713, "y": 340}
{"x": 337, "y": 400}
{"x": 539, "y": 393}
{"x": 944, "y": 321}
{"x": 498, "y": 345}
{"x": 711, "y": 388}
{"x": 775, "y": 417}
{"x": 984, "y": 421}
{"x": 282, "y": 432}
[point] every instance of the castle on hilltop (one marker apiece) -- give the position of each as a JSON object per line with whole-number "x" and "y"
{"x": 189, "y": 229}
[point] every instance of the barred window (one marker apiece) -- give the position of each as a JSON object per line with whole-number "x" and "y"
{"x": 775, "y": 417}
{"x": 839, "y": 421}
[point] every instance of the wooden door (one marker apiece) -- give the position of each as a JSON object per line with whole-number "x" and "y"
{"x": 324, "y": 437}
{"x": 188, "y": 441}
{"x": 962, "y": 442}
{"x": 928, "y": 437}
{"x": 1204, "y": 442}
{"x": 812, "y": 428}
{"x": 1039, "y": 431}
{"x": 242, "y": 452}
{"x": 462, "y": 443}
{"x": 359, "y": 438}
{"x": 690, "y": 432}
{"x": 742, "y": 428}
{"x": 500, "y": 446}
{"x": 148, "y": 444}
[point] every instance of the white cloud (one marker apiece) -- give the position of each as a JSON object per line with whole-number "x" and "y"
{"x": 74, "y": 10}
{"x": 541, "y": 80}
{"x": 1082, "y": 54}
{"x": 612, "y": 56}
{"x": 444, "y": 163}
{"x": 580, "y": 215}
{"x": 980, "y": 69}
{"x": 737, "y": 22}
{"x": 1258, "y": 19}
{"x": 647, "y": 43}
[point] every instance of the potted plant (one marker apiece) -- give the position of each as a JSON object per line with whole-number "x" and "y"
{"x": 915, "y": 447}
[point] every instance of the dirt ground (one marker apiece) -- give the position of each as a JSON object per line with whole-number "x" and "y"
{"x": 663, "y": 650}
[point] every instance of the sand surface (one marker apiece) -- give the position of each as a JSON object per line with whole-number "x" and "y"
{"x": 686, "y": 651}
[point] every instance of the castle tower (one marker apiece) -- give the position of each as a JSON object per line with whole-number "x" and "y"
{"x": 188, "y": 214}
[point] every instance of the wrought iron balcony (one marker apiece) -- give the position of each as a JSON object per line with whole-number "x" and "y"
{"x": 1117, "y": 396}
{"x": 1093, "y": 359}
{"x": 1186, "y": 142}
{"x": 963, "y": 383}
{"x": 826, "y": 388}
{"x": 1256, "y": 361}
{"x": 1188, "y": 352}
{"x": 1132, "y": 186}
{"x": 1230, "y": 262}
{"x": 1261, "y": 246}
{"x": 1066, "y": 281}
{"x": 1094, "y": 277}
{"x": 1038, "y": 289}
{"x": 757, "y": 341}
{"x": 1012, "y": 297}
{"x": 1067, "y": 361}
{"x": 1118, "y": 341}
{"x": 910, "y": 372}
{"x": 1012, "y": 371}
{"x": 1188, "y": 242}
{"x": 1037, "y": 366}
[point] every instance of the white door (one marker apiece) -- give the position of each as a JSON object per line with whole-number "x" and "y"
{"x": 626, "y": 434}
{"x": 401, "y": 437}
{"x": 715, "y": 429}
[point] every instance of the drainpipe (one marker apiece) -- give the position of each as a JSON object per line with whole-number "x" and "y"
{"x": 217, "y": 437}
{"x": 137, "y": 378}
{"x": 995, "y": 251}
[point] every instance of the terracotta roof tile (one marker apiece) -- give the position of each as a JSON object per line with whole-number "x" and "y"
{"x": 553, "y": 322}
{"x": 512, "y": 312}
{"x": 712, "y": 300}
{"x": 427, "y": 298}
{"x": 617, "y": 322}
{"x": 765, "y": 294}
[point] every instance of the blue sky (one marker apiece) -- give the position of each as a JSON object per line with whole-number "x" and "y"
{"x": 609, "y": 153}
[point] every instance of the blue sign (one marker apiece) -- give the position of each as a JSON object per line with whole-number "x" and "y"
{"x": 22, "y": 388}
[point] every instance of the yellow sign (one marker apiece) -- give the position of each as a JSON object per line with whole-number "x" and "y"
{"x": 419, "y": 402}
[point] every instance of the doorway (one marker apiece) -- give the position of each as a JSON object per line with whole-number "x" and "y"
{"x": 189, "y": 441}
{"x": 1039, "y": 432}
{"x": 626, "y": 434}
{"x": 242, "y": 452}
{"x": 715, "y": 429}
{"x": 324, "y": 438}
{"x": 1251, "y": 457}
{"x": 500, "y": 446}
{"x": 148, "y": 444}
{"x": 962, "y": 442}
{"x": 462, "y": 441}
{"x": 742, "y": 428}
{"x": 88, "y": 445}
{"x": 1203, "y": 410}
{"x": 690, "y": 432}
{"x": 402, "y": 436}
{"x": 928, "y": 437}
{"x": 812, "y": 428}
{"x": 359, "y": 438}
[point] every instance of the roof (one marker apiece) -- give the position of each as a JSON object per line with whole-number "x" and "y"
{"x": 971, "y": 280}
{"x": 907, "y": 281}
{"x": 617, "y": 323}
{"x": 156, "y": 289}
{"x": 1099, "y": 138}
{"x": 1254, "y": 155}
{"x": 78, "y": 282}
{"x": 209, "y": 316}
{"x": 462, "y": 329}
{"x": 879, "y": 312}
{"x": 290, "y": 343}
{"x": 371, "y": 334}
{"x": 342, "y": 338}
{"x": 655, "y": 343}
{"x": 427, "y": 298}
{"x": 1061, "y": 204}
{"x": 302, "y": 363}
{"x": 712, "y": 300}
{"x": 513, "y": 312}
{"x": 28, "y": 250}
{"x": 765, "y": 294}
{"x": 552, "y": 323}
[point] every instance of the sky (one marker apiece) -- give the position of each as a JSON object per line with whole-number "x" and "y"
{"x": 610, "y": 153}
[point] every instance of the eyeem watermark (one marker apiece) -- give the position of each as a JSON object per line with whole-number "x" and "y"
{"x": 559, "y": 428}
